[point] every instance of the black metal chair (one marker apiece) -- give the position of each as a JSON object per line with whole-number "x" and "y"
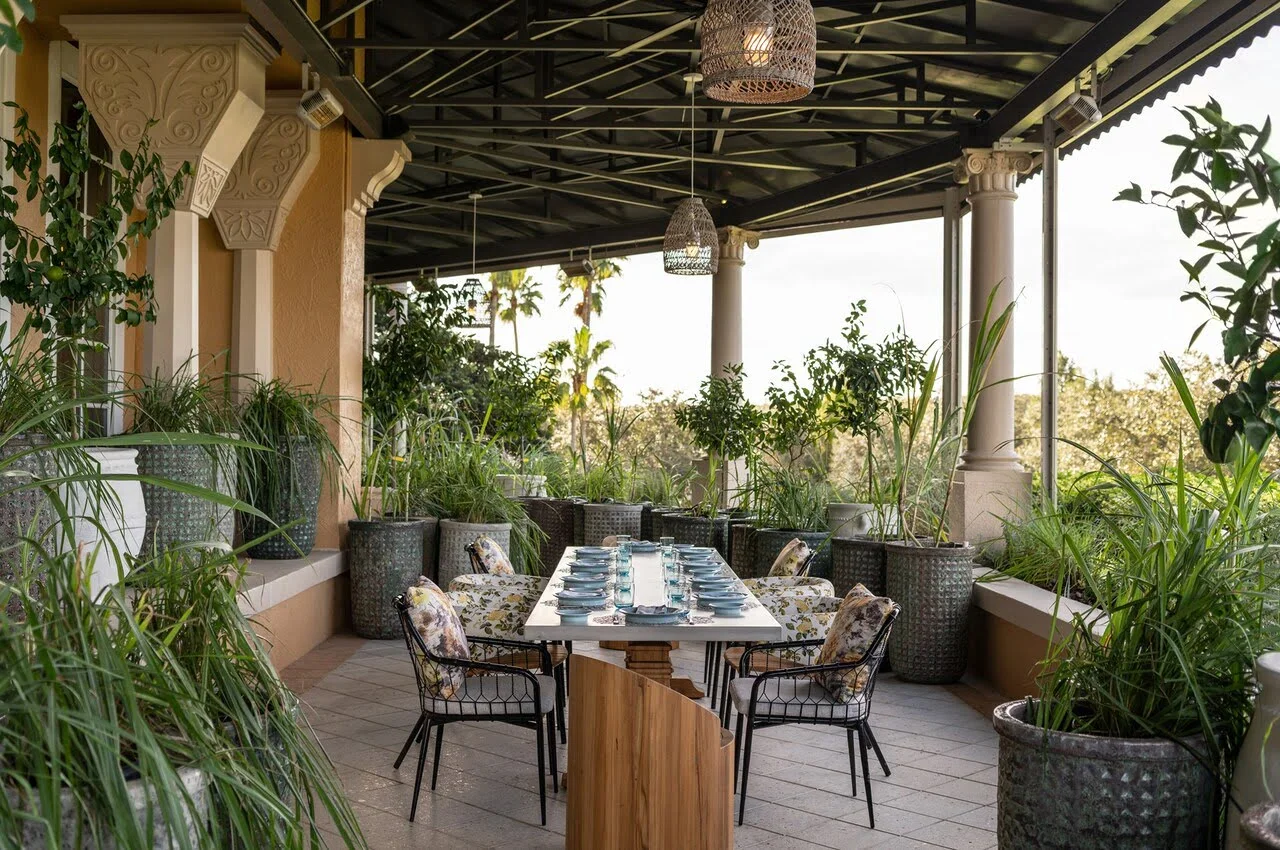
{"x": 781, "y": 692}
{"x": 504, "y": 692}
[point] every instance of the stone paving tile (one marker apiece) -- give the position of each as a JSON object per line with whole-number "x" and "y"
{"x": 361, "y": 699}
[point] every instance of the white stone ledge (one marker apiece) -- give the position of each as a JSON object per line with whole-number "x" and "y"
{"x": 268, "y": 583}
{"x": 1030, "y": 608}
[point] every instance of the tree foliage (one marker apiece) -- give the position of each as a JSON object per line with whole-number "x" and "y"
{"x": 1225, "y": 182}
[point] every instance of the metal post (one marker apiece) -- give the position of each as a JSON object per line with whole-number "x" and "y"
{"x": 952, "y": 276}
{"x": 1049, "y": 377}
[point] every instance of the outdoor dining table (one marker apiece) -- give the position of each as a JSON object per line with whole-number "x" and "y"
{"x": 648, "y": 647}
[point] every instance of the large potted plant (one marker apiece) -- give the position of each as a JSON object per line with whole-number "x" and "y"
{"x": 866, "y": 389}
{"x": 607, "y": 484}
{"x": 522, "y": 394}
{"x": 283, "y": 480}
{"x": 723, "y": 424}
{"x": 787, "y": 491}
{"x": 384, "y": 549}
{"x": 472, "y": 502}
{"x": 1143, "y": 706}
{"x": 926, "y": 572}
{"x": 70, "y": 279}
{"x": 183, "y": 404}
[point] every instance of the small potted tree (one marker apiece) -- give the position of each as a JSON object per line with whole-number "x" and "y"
{"x": 722, "y": 423}
{"x": 607, "y": 484}
{"x": 71, "y": 281}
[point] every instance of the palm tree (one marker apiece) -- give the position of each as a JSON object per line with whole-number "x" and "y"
{"x": 589, "y": 289}
{"x": 518, "y": 295}
{"x": 582, "y": 355}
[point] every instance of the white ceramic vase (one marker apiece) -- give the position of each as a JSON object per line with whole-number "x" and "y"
{"x": 1257, "y": 775}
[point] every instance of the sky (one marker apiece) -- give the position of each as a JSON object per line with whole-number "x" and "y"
{"x": 1119, "y": 275}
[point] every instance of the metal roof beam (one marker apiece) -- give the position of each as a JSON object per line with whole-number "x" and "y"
{"x": 420, "y": 201}
{"x": 607, "y": 122}
{"x": 611, "y": 47}
{"x": 548, "y": 185}
{"x": 831, "y": 104}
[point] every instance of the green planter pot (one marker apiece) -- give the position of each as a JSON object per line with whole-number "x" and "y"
{"x": 658, "y": 518}
{"x": 611, "y": 518}
{"x": 934, "y": 586}
{"x": 579, "y": 520}
{"x": 297, "y": 500}
{"x": 455, "y": 536}
{"x": 858, "y": 560}
{"x": 686, "y": 527}
{"x": 769, "y": 542}
{"x": 175, "y": 518}
{"x": 384, "y": 559}
{"x": 1069, "y": 791}
{"x": 430, "y": 545}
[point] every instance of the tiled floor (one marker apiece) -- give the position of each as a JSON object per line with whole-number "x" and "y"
{"x": 942, "y": 752}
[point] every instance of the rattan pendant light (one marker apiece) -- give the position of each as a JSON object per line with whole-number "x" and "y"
{"x": 691, "y": 245}
{"x": 759, "y": 51}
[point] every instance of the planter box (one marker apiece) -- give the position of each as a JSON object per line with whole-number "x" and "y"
{"x": 555, "y": 518}
{"x": 1010, "y": 625}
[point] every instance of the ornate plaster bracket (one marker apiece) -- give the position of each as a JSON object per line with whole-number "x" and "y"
{"x": 267, "y": 177}
{"x": 375, "y": 165}
{"x": 200, "y": 78}
{"x": 734, "y": 241}
{"x": 988, "y": 171}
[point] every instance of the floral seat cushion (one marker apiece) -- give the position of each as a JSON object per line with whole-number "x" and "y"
{"x": 490, "y": 557}
{"x": 531, "y": 586}
{"x": 440, "y": 628}
{"x": 790, "y": 585}
{"x": 791, "y": 560}
{"x": 861, "y": 616}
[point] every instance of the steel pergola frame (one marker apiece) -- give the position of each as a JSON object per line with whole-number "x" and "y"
{"x": 570, "y": 117}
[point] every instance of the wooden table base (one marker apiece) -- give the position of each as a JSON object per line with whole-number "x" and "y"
{"x": 652, "y": 659}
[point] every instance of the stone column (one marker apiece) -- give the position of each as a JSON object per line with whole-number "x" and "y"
{"x": 251, "y": 212}
{"x": 991, "y": 484}
{"x": 726, "y": 298}
{"x": 202, "y": 80}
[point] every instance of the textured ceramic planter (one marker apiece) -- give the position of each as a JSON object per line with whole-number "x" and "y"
{"x": 658, "y": 530}
{"x": 297, "y": 501}
{"x": 1260, "y": 827}
{"x": 23, "y": 512}
{"x": 555, "y": 518}
{"x": 858, "y": 560}
{"x": 698, "y": 530}
{"x": 175, "y": 518}
{"x": 769, "y": 542}
{"x": 579, "y": 520}
{"x": 934, "y": 586}
{"x": 850, "y": 519}
{"x": 430, "y": 545}
{"x": 1258, "y": 765}
{"x": 226, "y": 475}
{"x": 163, "y": 836}
{"x": 384, "y": 558}
{"x": 110, "y": 519}
{"x": 604, "y": 520}
{"x": 1066, "y": 791}
{"x": 742, "y": 548}
{"x": 455, "y": 536}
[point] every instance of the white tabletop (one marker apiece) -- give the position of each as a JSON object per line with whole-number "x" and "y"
{"x": 756, "y": 624}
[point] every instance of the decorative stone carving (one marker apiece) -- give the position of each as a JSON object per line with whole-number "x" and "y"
{"x": 989, "y": 170}
{"x": 734, "y": 241}
{"x": 375, "y": 165}
{"x": 194, "y": 84}
{"x": 268, "y": 177}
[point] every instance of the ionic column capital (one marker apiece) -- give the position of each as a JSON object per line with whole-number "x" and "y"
{"x": 375, "y": 165}
{"x": 267, "y": 177}
{"x": 991, "y": 171}
{"x": 195, "y": 85}
{"x": 734, "y": 242}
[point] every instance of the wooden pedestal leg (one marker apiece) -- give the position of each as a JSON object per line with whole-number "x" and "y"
{"x": 652, "y": 659}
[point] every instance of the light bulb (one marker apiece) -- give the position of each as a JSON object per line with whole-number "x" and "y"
{"x": 692, "y": 250}
{"x": 757, "y": 43}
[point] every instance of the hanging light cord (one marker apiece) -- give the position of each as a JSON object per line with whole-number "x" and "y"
{"x": 473, "y": 235}
{"x": 693, "y": 119}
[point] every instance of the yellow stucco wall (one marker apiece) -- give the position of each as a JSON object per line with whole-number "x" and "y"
{"x": 318, "y": 266}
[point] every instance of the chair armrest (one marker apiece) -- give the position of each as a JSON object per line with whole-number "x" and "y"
{"x": 516, "y": 646}
{"x": 745, "y": 664}
{"x": 489, "y": 667}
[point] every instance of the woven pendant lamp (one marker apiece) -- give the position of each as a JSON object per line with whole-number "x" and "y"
{"x": 759, "y": 51}
{"x": 691, "y": 245}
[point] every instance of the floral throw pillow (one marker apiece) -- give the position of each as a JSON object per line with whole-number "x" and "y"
{"x": 861, "y": 616}
{"x": 441, "y": 630}
{"x": 791, "y": 559}
{"x": 492, "y": 559}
